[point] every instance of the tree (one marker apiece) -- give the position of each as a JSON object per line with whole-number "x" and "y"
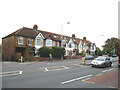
{"x": 111, "y": 46}
{"x": 98, "y": 51}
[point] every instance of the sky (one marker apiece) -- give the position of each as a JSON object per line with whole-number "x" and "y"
{"x": 97, "y": 20}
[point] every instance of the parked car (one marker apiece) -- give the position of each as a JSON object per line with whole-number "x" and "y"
{"x": 89, "y": 57}
{"x": 114, "y": 55}
{"x": 105, "y": 56}
{"x": 101, "y": 62}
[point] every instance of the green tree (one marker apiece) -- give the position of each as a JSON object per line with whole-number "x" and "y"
{"x": 111, "y": 46}
{"x": 98, "y": 51}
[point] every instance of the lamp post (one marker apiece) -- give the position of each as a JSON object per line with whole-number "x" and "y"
{"x": 62, "y": 29}
{"x": 97, "y": 38}
{"x": 62, "y": 34}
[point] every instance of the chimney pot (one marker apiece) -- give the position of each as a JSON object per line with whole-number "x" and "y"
{"x": 73, "y": 35}
{"x": 84, "y": 38}
{"x": 35, "y": 27}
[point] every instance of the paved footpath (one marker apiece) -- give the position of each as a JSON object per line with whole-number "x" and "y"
{"x": 110, "y": 79}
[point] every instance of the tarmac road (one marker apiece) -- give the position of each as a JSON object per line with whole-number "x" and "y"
{"x": 61, "y": 74}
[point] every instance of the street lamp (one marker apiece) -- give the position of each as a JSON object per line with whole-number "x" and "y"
{"x": 62, "y": 33}
{"x": 97, "y": 38}
{"x": 62, "y": 30}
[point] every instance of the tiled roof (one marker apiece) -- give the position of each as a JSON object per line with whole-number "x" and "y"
{"x": 26, "y": 32}
{"x": 29, "y": 32}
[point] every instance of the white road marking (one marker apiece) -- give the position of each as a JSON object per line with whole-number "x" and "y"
{"x": 108, "y": 70}
{"x": 76, "y": 79}
{"x": 65, "y": 67}
{"x": 58, "y": 69}
{"x": 12, "y": 73}
{"x": 9, "y": 72}
{"x": 20, "y": 72}
{"x": 46, "y": 69}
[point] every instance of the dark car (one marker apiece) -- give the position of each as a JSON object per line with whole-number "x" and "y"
{"x": 89, "y": 57}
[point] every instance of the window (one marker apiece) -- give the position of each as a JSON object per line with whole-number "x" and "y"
{"x": 48, "y": 42}
{"x": 71, "y": 45}
{"x": 29, "y": 41}
{"x": 92, "y": 47}
{"x": 58, "y": 44}
{"x": 80, "y": 46}
{"x": 39, "y": 41}
{"x": 20, "y": 40}
{"x": 53, "y": 43}
{"x": 63, "y": 43}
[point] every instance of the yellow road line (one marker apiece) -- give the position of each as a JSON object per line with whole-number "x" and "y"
{"x": 112, "y": 87}
{"x": 99, "y": 74}
{"x": 85, "y": 80}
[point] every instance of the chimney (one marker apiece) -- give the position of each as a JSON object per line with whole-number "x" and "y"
{"x": 73, "y": 35}
{"x": 84, "y": 38}
{"x": 35, "y": 27}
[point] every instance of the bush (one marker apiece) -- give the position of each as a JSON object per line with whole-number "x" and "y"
{"x": 55, "y": 51}
{"x": 44, "y": 52}
{"x": 78, "y": 53}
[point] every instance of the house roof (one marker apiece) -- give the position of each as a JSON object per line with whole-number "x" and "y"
{"x": 29, "y": 32}
{"x": 26, "y": 32}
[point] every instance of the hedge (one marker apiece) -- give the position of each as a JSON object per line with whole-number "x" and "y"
{"x": 55, "y": 51}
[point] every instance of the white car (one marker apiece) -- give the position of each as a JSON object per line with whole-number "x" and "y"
{"x": 101, "y": 62}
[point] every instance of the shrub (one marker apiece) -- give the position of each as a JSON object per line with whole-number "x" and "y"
{"x": 44, "y": 52}
{"x": 78, "y": 53}
{"x": 55, "y": 51}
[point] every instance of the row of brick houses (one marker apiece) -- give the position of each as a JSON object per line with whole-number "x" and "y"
{"x": 22, "y": 41}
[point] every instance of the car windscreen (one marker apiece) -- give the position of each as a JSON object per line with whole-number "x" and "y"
{"x": 100, "y": 59}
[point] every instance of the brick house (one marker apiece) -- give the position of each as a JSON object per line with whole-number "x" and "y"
{"x": 25, "y": 41}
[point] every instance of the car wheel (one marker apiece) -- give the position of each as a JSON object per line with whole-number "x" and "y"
{"x": 104, "y": 65}
{"x": 110, "y": 65}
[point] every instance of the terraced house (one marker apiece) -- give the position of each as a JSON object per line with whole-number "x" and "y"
{"x": 26, "y": 40}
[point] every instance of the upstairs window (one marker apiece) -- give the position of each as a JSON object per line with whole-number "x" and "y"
{"x": 71, "y": 45}
{"x": 29, "y": 41}
{"x": 92, "y": 47}
{"x": 58, "y": 44}
{"x": 48, "y": 42}
{"x": 39, "y": 41}
{"x": 63, "y": 43}
{"x": 53, "y": 43}
{"x": 20, "y": 40}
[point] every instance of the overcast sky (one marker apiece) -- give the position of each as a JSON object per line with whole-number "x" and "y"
{"x": 88, "y": 18}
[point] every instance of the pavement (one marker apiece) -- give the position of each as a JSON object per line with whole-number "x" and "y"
{"x": 109, "y": 79}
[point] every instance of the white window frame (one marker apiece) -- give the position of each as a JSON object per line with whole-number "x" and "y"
{"x": 57, "y": 44}
{"x": 29, "y": 41}
{"x": 20, "y": 40}
{"x": 48, "y": 42}
{"x": 53, "y": 43}
{"x": 40, "y": 40}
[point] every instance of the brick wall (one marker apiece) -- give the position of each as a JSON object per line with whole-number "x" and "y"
{"x": 25, "y": 41}
{"x": 8, "y": 48}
